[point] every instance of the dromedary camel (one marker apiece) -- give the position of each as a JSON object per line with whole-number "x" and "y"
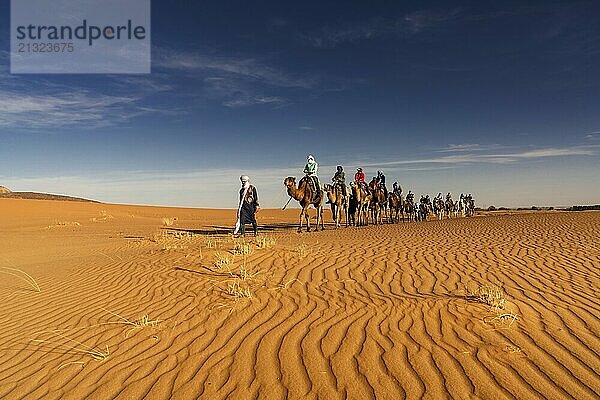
{"x": 438, "y": 207}
{"x": 379, "y": 206}
{"x": 395, "y": 205}
{"x": 339, "y": 203}
{"x": 409, "y": 209}
{"x": 304, "y": 194}
{"x": 449, "y": 207}
{"x": 363, "y": 201}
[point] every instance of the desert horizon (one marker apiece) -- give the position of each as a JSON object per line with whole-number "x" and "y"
{"x": 7, "y": 193}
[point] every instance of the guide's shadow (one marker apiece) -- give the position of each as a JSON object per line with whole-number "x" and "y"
{"x": 227, "y": 230}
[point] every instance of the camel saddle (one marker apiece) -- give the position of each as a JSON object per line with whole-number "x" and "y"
{"x": 314, "y": 186}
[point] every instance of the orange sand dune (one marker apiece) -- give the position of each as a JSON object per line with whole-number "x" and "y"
{"x": 134, "y": 304}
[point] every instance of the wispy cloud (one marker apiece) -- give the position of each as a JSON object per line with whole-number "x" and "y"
{"x": 234, "y": 93}
{"x": 406, "y": 25}
{"x": 497, "y": 158}
{"x": 29, "y": 102}
{"x": 468, "y": 147}
{"x": 225, "y": 66}
{"x": 233, "y": 81}
{"x": 68, "y": 108}
{"x": 248, "y": 100}
{"x": 595, "y": 135}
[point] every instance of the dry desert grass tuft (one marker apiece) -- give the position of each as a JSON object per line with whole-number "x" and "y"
{"x": 286, "y": 285}
{"x": 265, "y": 242}
{"x": 491, "y": 295}
{"x": 103, "y": 217}
{"x": 63, "y": 224}
{"x": 494, "y": 297}
{"x": 242, "y": 248}
{"x": 222, "y": 261}
{"x": 172, "y": 240}
{"x": 166, "y": 221}
{"x": 302, "y": 249}
{"x": 56, "y": 340}
{"x": 212, "y": 243}
{"x": 142, "y": 322}
{"x": 244, "y": 273}
{"x": 239, "y": 291}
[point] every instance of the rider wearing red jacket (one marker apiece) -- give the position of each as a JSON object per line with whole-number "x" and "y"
{"x": 359, "y": 177}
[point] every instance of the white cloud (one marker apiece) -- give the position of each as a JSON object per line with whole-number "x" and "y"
{"x": 409, "y": 24}
{"x": 593, "y": 135}
{"x": 466, "y": 158}
{"x": 232, "y": 81}
{"x": 28, "y": 102}
{"x": 467, "y": 147}
{"x": 248, "y": 100}
{"x": 232, "y": 67}
{"x": 68, "y": 108}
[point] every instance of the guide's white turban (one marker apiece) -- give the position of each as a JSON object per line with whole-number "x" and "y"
{"x": 244, "y": 178}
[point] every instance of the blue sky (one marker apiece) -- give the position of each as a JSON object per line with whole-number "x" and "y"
{"x": 498, "y": 99}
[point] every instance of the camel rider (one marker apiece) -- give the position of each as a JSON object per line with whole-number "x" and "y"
{"x": 359, "y": 178}
{"x": 439, "y": 196}
{"x": 410, "y": 197}
{"x": 340, "y": 179}
{"x": 397, "y": 188}
{"x": 381, "y": 182}
{"x": 448, "y": 196}
{"x": 310, "y": 170}
{"x": 373, "y": 183}
{"x": 380, "y": 178}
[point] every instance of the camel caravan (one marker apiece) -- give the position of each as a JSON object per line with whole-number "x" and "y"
{"x": 360, "y": 203}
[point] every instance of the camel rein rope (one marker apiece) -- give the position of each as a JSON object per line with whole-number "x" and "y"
{"x": 286, "y": 204}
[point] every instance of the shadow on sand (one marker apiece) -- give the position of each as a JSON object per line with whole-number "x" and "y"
{"x": 228, "y": 230}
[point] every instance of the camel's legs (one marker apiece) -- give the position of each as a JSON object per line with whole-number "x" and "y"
{"x": 334, "y": 214}
{"x": 321, "y": 218}
{"x": 301, "y": 215}
{"x": 346, "y": 213}
{"x": 307, "y": 218}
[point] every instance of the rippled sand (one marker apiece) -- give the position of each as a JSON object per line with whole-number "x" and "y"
{"x": 130, "y": 307}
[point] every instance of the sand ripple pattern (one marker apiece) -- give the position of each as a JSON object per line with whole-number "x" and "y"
{"x": 375, "y": 312}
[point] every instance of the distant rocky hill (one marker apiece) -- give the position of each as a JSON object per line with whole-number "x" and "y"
{"x": 7, "y": 194}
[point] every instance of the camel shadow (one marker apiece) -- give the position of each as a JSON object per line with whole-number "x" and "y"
{"x": 228, "y": 230}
